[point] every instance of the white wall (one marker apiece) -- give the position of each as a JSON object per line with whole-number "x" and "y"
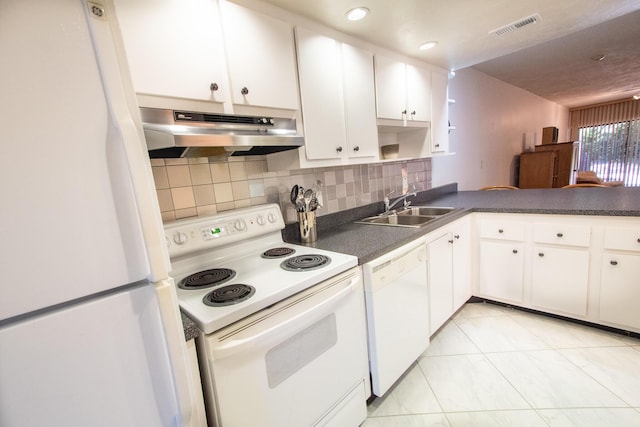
{"x": 495, "y": 122}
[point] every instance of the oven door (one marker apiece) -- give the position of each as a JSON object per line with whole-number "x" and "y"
{"x": 300, "y": 362}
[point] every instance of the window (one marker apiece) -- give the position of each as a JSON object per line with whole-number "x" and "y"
{"x": 610, "y": 136}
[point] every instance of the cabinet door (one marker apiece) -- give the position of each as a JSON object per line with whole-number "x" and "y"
{"x": 321, "y": 90}
{"x": 620, "y": 290}
{"x": 261, "y": 55}
{"x": 418, "y": 94}
{"x": 439, "y": 113}
{"x": 560, "y": 279}
{"x": 461, "y": 263}
{"x": 391, "y": 88}
{"x": 502, "y": 270}
{"x": 360, "y": 102}
{"x": 440, "y": 280}
{"x": 174, "y": 48}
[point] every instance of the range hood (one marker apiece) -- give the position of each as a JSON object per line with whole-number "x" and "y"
{"x": 175, "y": 133}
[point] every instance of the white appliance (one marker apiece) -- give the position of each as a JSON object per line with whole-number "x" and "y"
{"x": 90, "y": 333}
{"x": 283, "y": 338}
{"x": 397, "y": 304}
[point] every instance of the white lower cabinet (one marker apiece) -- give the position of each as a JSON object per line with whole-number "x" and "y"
{"x": 449, "y": 270}
{"x": 560, "y": 267}
{"x": 560, "y": 280}
{"x": 440, "y": 280}
{"x": 582, "y": 267}
{"x": 620, "y": 277}
{"x": 620, "y": 290}
{"x": 501, "y": 258}
{"x": 462, "y": 262}
{"x": 502, "y": 271}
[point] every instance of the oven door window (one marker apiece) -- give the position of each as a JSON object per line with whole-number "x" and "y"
{"x": 289, "y": 357}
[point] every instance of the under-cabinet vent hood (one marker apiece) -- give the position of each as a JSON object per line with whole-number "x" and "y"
{"x": 173, "y": 133}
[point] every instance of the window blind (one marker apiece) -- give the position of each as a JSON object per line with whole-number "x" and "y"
{"x": 610, "y": 136}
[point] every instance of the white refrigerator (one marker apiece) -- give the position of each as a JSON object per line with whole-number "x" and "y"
{"x": 90, "y": 331}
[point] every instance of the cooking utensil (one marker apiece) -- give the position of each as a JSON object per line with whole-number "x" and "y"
{"x": 300, "y": 205}
{"x": 313, "y": 204}
{"x": 294, "y": 194}
{"x": 308, "y": 195}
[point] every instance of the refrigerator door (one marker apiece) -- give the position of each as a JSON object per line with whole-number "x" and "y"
{"x": 73, "y": 178}
{"x": 110, "y": 368}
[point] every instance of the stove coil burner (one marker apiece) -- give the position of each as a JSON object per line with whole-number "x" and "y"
{"x": 305, "y": 262}
{"x": 228, "y": 295}
{"x": 277, "y": 253}
{"x": 206, "y": 278}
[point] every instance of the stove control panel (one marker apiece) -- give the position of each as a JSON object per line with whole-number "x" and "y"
{"x": 196, "y": 234}
{"x": 218, "y": 230}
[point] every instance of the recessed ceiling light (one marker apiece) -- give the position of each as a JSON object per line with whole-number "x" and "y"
{"x": 598, "y": 57}
{"x": 427, "y": 45}
{"x": 636, "y": 97}
{"x": 357, "y": 13}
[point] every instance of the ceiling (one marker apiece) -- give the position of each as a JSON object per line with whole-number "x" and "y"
{"x": 551, "y": 58}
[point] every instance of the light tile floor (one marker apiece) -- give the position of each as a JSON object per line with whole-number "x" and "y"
{"x": 492, "y": 366}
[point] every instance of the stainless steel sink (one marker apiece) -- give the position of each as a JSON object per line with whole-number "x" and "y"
{"x": 397, "y": 220}
{"x": 425, "y": 211}
{"x": 413, "y": 216}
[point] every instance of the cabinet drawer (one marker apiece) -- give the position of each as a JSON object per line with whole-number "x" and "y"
{"x": 562, "y": 234}
{"x": 622, "y": 238}
{"x": 502, "y": 230}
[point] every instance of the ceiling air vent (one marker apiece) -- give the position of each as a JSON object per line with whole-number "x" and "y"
{"x": 516, "y": 25}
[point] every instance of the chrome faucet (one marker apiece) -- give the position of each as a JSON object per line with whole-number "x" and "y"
{"x": 388, "y": 206}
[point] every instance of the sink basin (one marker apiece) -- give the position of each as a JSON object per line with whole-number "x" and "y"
{"x": 425, "y": 211}
{"x": 413, "y": 216}
{"x": 397, "y": 220}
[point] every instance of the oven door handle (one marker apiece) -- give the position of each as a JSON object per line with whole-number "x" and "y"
{"x": 302, "y": 319}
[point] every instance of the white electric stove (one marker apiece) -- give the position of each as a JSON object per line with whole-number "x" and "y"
{"x": 230, "y": 265}
{"x": 283, "y": 325}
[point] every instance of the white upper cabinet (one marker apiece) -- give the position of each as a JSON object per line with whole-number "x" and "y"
{"x": 360, "y": 102}
{"x": 338, "y": 101}
{"x": 261, "y": 56}
{"x": 403, "y": 92}
{"x": 205, "y": 51}
{"x": 418, "y": 94}
{"x": 174, "y": 48}
{"x": 439, "y": 113}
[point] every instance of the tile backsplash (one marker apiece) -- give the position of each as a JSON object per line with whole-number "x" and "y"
{"x": 203, "y": 186}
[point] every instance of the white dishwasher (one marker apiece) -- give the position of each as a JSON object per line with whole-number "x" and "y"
{"x": 397, "y": 303}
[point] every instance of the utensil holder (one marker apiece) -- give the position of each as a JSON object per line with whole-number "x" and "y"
{"x": 307, "y": 225}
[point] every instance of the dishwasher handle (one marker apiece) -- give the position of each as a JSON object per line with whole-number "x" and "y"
{"x": 302, "y": 318}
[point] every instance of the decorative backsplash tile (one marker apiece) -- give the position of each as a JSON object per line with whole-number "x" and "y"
{"x": 194, "y": 187}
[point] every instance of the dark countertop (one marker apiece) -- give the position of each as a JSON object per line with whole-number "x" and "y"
{"x": 190, "y": 329}
{"x": 338, "y": 232}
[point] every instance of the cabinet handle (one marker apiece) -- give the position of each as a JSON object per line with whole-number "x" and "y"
{"x": 540, "y": 254}
{"x": 437, "y": 145}
{"x": 339, "y": 149}
{"x": 638, "y": 240}
{"x": 559, "y": 234}
{"x": 613, "y": 262}
{"x": 213, "y": 87}
{"x": 413, "y": 113}
{"x": 501, "y": 231}
{"x": 515, "y": 251}
{"x": 457, "y": 236}
{"x": 244, "y": 91}
{"x": 450, "y": 241}
{"x": 356, "y": 148}
{"x": 404, "y": 113}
